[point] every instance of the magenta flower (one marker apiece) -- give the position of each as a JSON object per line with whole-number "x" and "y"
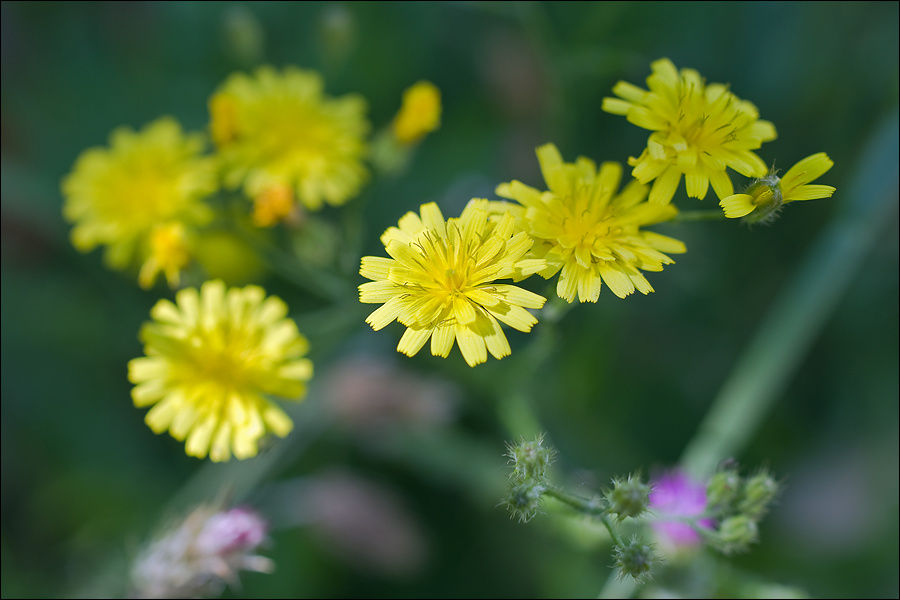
{"x": 675, "y": 494}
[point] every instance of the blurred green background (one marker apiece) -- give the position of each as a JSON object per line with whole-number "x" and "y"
{"x": 413, "y": 447}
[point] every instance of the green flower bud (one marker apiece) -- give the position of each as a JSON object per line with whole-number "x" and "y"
{"x": 531, "y": 460}
{"x": 628, "y": 498}
{"x": 635, "y": 559}
{"x": 759, "y": 491}
{"x": 524, "y": 501}
{"x": 722, "y": 491}
{"x": 736, "y": 533}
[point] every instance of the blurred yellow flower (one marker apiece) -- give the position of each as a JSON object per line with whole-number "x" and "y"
{"x": 440, "y": 282}
{"x": 765, "y": 197}
{"x": 169, "y": 254}
{"x": 586, "y": 231}
{"x": 699, "y": 130}
{"x": 419, "y": 114}
{"x": 278, "y": 129}
{"x": 120, "y": 196}
{"x": 212, "y": 358}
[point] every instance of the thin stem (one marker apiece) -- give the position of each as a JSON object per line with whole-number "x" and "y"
{"x": 699, "y": 215}
{"x": 586, "y": 506}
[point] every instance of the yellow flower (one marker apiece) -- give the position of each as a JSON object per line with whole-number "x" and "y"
{"x": 765, "y": 197}
{"x": 169, "y": 254}
{"x": 699, "y": 130}
{"x": 278, "y": 128}
{"x": 119, "y": 196}
{"x": 419, "y": 114}
{"x": 587, "y": 232}
{"x": 212, "y": 358}
{"x": 440, "y": 282}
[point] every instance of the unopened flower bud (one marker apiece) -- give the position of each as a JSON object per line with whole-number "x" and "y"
{"x": 722, "y": 491}
{"x": 736, "y": 533}
{"x": 628, "y": 498}
{"x": 524, "y": 500}
{"x": 759, "y": 491}
{"x": 531, "y": 460}
{"x": 635, "y": 559}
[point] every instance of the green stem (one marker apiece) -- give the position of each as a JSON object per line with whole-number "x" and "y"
{"x": 587, "y": 506}
{"x": 699, "y": 215}
{"x": 515, "y": 408}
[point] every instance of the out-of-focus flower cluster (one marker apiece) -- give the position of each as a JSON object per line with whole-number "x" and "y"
{"x": 150, "y": 197}
{"x": 155, "y": 200}
{"x": 202, "y": 554}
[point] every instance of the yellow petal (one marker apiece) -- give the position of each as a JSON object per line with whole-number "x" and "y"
{"x": 618, "y": 282}
{"x": 721, "y": 183}
{"x": 442, "y": 340}
{"x": 471, "y": 345}
{"x": 413, "y": 340}
{"x": 805, "y": 171}
{"x": 809, "y": 192}
{"x": 665, "y": 186}
{"x": 737, "y": 205}
{"x": 615, "y": 106}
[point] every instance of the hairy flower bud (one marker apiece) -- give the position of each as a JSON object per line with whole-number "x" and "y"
{"x": 758, "y": 493}
{"x": 735, "y": 534}
{"x": 524, "y": 500}
{"x": 722, "y": 491}
{"x": 531, "y": 460}
{"x": 635, "y": 559}
{"x": 628, "y": 498}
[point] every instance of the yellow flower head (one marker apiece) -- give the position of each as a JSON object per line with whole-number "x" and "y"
{"x": 119, "y": 196}
{"x": 698, "y": 130}
{"x": 420, "y": 113}
{"x": 212, "y": 358}
{"x": 589, "y": 233}
{"x": 169, "y": 254}
{"x": 440, "y": 282}
{"x": 278, "y": 129}
{"x": 765, "y": 197}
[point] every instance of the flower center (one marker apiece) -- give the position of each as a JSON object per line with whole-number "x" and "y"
{"x": 585, "y": 231}
{"x": 220, "y": 364}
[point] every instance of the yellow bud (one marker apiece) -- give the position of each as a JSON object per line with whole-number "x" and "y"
{"x": 419, "y": 114}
